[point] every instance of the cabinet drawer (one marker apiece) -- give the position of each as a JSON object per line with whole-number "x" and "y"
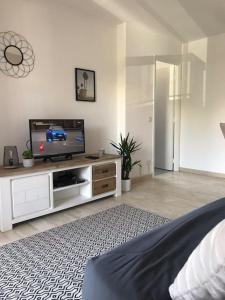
{"x": 104, "y": 171}
{"x": 104, "y": 186}
{"x": 30, "y": 195}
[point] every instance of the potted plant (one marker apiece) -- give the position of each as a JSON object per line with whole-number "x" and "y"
{"x": 125, "y": 148}
{"x": 28, "y": 159}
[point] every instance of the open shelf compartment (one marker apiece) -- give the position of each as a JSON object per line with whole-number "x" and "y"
{"x": 72, "y": 194}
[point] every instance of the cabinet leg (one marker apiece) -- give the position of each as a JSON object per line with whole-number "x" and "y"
{"x": 6, "y": 227}
{"x": 5, "y": 206}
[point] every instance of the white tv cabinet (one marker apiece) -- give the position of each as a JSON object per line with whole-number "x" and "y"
{"x": 27, "y": 193}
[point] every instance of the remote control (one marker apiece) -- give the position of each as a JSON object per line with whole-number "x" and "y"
{"x": 92, "y": 157}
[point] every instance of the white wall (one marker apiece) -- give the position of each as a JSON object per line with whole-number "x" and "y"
{"x": 142, "y": 41}
{"x": 121, "y": 79}
{"x": 203, "y": 107}
{"x": 139, "y": 108}
{"x": 62, "y": 38}
{"x": 144, "y": 44}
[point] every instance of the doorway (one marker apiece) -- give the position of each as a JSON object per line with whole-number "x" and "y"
{"x": 166, "y": 116}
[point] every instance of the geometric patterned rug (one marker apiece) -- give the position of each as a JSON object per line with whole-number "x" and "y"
{"x": 50, "y": 265}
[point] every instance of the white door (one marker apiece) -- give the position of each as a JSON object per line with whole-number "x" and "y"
{"x": 164, "y": 116}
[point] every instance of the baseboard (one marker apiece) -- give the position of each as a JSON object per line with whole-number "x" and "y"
{"x": 201, "y": 172}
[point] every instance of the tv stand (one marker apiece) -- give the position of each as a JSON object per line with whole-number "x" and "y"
{"x": 58, "y": 158}
{"x": 45, "y": 188}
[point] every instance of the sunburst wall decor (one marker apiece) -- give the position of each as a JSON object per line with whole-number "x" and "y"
{"x": 16, "y": 55}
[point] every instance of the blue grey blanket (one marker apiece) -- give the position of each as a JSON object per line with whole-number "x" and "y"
{"x": 144, "y": 268}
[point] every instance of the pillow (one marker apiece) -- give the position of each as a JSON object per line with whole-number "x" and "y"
{"x": 203, "y": 275}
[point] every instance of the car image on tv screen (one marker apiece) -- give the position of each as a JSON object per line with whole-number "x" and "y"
{"x": 55, "y": 133}
{"x": 57, "y": 137}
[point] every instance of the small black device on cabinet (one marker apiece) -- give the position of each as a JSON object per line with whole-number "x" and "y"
{"x": 66, "y": 178}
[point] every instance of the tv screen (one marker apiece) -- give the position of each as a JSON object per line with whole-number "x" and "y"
{"x": 56, "y": 137}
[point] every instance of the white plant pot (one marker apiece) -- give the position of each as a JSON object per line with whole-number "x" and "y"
{"x": 126, "y": 185}
{"x": 28, "y": 163}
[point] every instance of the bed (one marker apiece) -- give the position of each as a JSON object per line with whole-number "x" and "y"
{"x": 144, "y": 268}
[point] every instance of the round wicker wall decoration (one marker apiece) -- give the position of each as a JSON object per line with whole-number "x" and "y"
{"x": 16, "y": 55}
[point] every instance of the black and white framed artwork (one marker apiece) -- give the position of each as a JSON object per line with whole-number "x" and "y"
{"x": 85, "y": 85}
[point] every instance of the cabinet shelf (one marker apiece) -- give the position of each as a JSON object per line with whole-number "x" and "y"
{"x": 70, "y": 202}
{"x": 71, "y": 186}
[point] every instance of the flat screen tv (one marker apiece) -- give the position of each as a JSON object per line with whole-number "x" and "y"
{"x": 56, "y": 137}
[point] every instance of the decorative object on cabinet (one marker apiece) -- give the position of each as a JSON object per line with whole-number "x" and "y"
{"x": 16, "y": 55}
{"x": 28, "y": 157}
{"x": 11, "y": 159}
{"x": 85, "y": 85}
{"x": 101, "y": 152}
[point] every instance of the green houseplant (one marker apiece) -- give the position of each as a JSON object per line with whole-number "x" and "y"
{"x": 28, "y": 159}
{"x": 126, "y": 147}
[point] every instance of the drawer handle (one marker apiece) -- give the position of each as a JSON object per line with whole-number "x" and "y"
{"x": 105, "y": 186}
{"x": 105, "y": 171}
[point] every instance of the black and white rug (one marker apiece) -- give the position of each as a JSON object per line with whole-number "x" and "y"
{"x": 50, "y": 265}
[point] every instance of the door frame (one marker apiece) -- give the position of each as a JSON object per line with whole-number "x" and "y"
{"x": 176, "y": 61}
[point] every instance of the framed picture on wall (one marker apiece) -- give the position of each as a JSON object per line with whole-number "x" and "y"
{"x": 85, "y": 85}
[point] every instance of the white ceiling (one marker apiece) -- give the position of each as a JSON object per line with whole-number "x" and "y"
{"x": 186, "y": 19}
{"x": 90, "y": 9}
{"x": 189, "y": 19}
{"x": 208, "y": 14}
